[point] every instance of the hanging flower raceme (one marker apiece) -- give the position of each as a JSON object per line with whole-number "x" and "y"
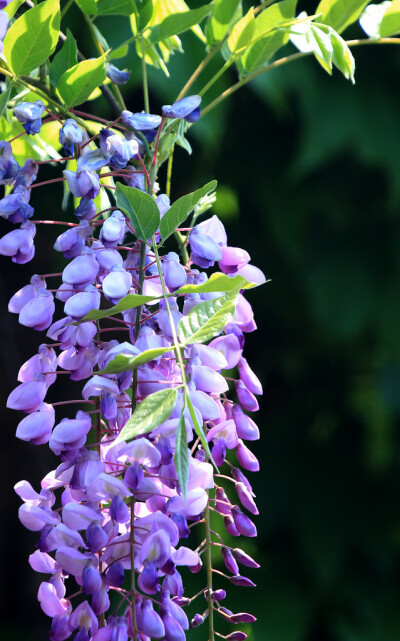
{"x": 156, "y": 405}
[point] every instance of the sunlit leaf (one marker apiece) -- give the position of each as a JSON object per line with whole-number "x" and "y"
{"x": 33, "y": 37}
{"x": 181, "y": 456}
{"x": 128, "y": 302}
{"x": 177, "y": 23}
{"x": 122, "y": 362}
{"x": 76, "y": 84}
{"x": 208, "y": 319}
{"x": 339, "y": 14}
{"x": 390, "y": 24}
{"x": 149, "y": 414}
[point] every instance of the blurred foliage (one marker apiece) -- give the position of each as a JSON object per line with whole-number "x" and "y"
{"x": 311, "y": 164}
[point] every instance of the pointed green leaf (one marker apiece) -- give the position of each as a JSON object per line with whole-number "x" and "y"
{"x": 33, "y": 37}
{"x": 181, "y": 208}
{"x": 89, "y": 7}
{"x": 149, "y": 414}
{"x": 120, "y": 52}
{"x": 128, "y": 302}
{"x": 197, "y": 427}
{"x": 339, "y": 14}
{"x": 12, "y": 8}
{"x": 390, "y": 24}
{"x": 123, "y": 363}
{"x": 218, "y": 282}
{"x": 76, "y": 84}
{"x": 181, "y": 457}
{"x": 224, "y": 14}
{"x": 343, "y": 59}
{"x": 141, "y": 209}
{"x": 64, "y": 59}
{"x": 266, "y": 39}
{"x": 208, "y": 319}
{"x": 242, "y": 33}
{"x": 177, "y": 23}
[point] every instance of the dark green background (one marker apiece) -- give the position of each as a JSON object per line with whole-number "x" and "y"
{"x": 308, "y": 168}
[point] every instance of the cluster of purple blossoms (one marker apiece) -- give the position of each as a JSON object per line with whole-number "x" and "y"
{"x": 114, "y": 514}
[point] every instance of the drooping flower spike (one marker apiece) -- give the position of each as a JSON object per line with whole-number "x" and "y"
{"x": 126, "y": 505}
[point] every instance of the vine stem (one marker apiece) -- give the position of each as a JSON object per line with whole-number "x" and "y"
{"x": 282, "y": 61}
{"x": 207, "y": 516}
{"x": 144, "y": 74}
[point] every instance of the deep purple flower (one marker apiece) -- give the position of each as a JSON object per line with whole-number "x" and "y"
{"x": 29, "y": 114}
{"x": 187, "y": 108}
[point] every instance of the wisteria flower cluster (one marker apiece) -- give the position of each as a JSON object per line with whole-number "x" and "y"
{"x": 160, "y": 429}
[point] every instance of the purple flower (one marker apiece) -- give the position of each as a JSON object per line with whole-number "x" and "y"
{"x": 174, "y": 272}
{"x": 113, "y": 229}
{"x": 70, "y": 135}
{"x": 29, "y": 114}
{"x": 15, "y": 207}
{"x": 19, "y": 244}
{"x": 8, "y": 165}
{"x": 83, "y": 183}
{"x": 37, "y": 426}
{"x": 144, "y": 122}
{"x": 117, "y": 150}
{"x": 116, "y": 75}
{"x": 205, "y": 250}
{"x": 187, "y": 108}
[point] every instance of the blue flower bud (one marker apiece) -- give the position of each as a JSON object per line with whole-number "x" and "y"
{"x": 174, "y": 272}
{"x": 29, "y": 114}
{"x": 8, "y": 165}
{"x": 187, "y": 108}
{"x": 116, "y": 75}
{"x": 115, "y": 574}
{"x": 70, "y": 134}
{"x": 116, "y": 149}
{"x": 86, "y": 209}
{"x": 141, "y": 121}
{"x": 205, "y": 251}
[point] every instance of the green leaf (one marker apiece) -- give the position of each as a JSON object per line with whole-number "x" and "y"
{"x": 177, "y": 23}
{"x": 63, "y": 60}
{"x": 89, "y": 7}
{"x": 141, "y": 209}
{"x": 208, "y": 319}
{"x": 242, "y": 32}
{"x": 224, "y": 14}
{"x": 390, "y": 24}
{"x": 218, "y": 282}
{"x": 12, "y": 8}
{"x": 123, "y": 363}
{"x": 76, "y": 84}
{"x": 33, "y": 37}
{"x": 197, "y": 427}
{"x": 120, "y": 52}
{"x": 372, "y": 16}
{"x": 115, "y": 7}
{"x": 128, "y": 302}
{"x": 339, "y": 14}
{"x": 261, "y": 51}
{"x": 4, "y": 97}
{"x": 343, "y": 59}
{"x": 154, "y": 410}
{"x": 181, "y": 456}
{"x": 181, "y": 208}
